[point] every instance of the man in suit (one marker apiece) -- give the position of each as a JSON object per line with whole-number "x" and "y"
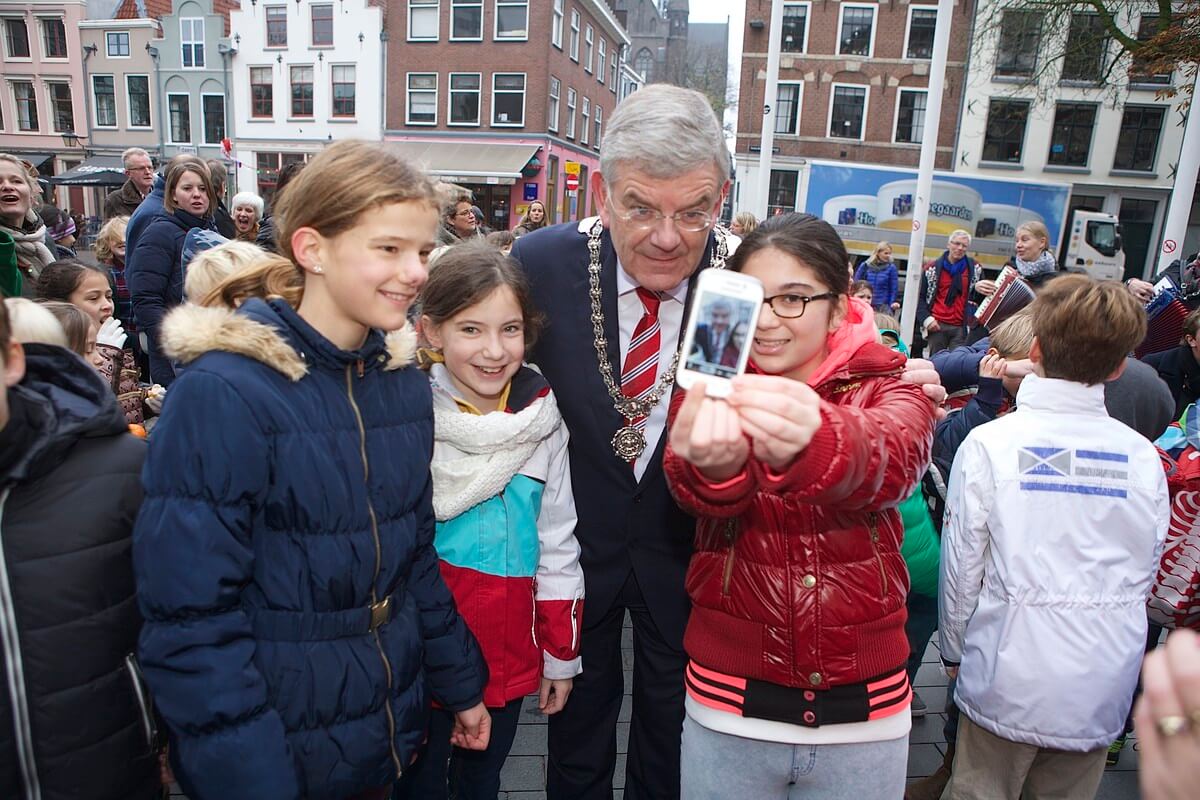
{"x": 712, "y": 336}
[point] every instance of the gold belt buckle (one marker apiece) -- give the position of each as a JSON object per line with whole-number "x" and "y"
{"x": 379, "y": 612}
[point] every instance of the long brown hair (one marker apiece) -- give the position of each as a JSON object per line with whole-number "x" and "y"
{"x": 175, "y": 172}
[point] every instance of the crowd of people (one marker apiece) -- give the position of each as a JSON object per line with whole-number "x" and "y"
{"x": 403, "y": 472}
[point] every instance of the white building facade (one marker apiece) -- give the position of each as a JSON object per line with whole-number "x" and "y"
{"x": 304, "y": 74}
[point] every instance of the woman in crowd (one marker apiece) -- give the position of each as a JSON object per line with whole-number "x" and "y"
{"x": 155, "y": 274}
{"x": 743, "y": 224}
{"x": 1033, "y": 258}
{"x": 458, "y": 220}
{"x": 880, "y": 272}
{"x": 535, "y": 217}
{"x": 247, "y": 214}
{"x": 296, "y": 619}
{"x": 796, "y": 636}
{"x": 21, "y": 224}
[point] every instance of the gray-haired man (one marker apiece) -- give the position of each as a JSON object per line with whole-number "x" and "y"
{"x": 139, "y": 170}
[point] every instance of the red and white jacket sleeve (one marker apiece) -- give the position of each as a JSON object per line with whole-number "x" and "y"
{"x": 559, "y": 576}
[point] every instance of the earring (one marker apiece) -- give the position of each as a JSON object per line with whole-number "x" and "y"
{"x": 318, "y": 269}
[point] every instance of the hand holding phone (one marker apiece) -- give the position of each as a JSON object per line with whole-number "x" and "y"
{"x": 720, "y": 330}
{"x": 708, "y": 435}
{"x": 780, "y": 415}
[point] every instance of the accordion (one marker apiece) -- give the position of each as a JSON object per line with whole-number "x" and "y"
{"x": 1011, "y": 295}
{"x": 1165, "y": 314}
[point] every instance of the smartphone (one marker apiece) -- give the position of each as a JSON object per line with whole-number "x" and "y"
{"x": 720, "y": 330}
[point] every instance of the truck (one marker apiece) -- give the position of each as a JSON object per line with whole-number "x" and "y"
{"x": 871, "y": 204}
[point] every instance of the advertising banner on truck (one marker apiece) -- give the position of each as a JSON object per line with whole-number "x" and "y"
{"x": 869, "y": 204}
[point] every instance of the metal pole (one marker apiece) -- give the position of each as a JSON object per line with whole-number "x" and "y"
{"x": 929, "y": 137}
{"x": 771, "y": 92}
{"x": 1180, "y": 208}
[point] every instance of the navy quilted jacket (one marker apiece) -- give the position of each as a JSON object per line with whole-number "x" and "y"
{"x": 287, "y": 498}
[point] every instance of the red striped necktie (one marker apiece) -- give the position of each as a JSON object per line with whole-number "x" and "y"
{"x": 640, "y": 373}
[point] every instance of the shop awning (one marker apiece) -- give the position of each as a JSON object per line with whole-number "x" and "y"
{"x": 37, "y": 159}
{"x": 468, "y": 162}
{"x": 96, "y": 171}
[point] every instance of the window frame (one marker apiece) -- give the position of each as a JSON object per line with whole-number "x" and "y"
{"x": 457, "y": 4}
{"x": 312, "y": 92}
{"x": 771, "y": 187}
{"x": 312, "y": 25}
{"x": 1054, "y": 128}
{"x": 496, "y": 20}
{"x": 8, "y": 56}
{"x": 585, "y": 116}
{"x": 171, "y": 122}
{"x": 409, "y": 92}
{"x": 1139, "y": 79}
{"x": 1011, "y": 101}
{"x": 184, "y": 43}
{"x": 601, "y": 58}
{"x": 31, "y": 100}
{"x": 52, "y": 105}
{"x": 908, "y": 27}
{"x": 614, "y": 70}
{"x": 426, "y": 6}
{"x": 451, "y": 91}
{"x": 553, "y": 103}
{"x": 598, "y": 121}
{"x": 1103, "y": 55}
{"x": 108, "y": 52}
{"x": 204, "y": 118}
{"x": 1162, "y": 124}
{"x": 572, "y": 100}
{"x": 900, "y": 91}
{"x": 1013, "y": 74}
{"x": 524, "y": 92}
{"x": 270, "y": 95}
{"x": 798, "y": 104}
{"x": 116, "y": 124}
{"x": 333, "y": 98}
{"x": 807, "y": 6}
{"x": 589, "y": 48}
{"x": 865, "y": 108}
{"x": 556, "y": 23}
{"x": 129, "y": 103}
{"x": 574, "y": 51}
{"x": 45, "y": 38}
{"x": 267, "y": 22}
{"x": 874, "y": 9}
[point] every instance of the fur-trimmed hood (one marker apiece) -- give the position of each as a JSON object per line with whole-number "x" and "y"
{"x": 190, "y": 331}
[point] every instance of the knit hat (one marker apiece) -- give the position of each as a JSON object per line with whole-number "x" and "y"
{"x": 63, "y": 228}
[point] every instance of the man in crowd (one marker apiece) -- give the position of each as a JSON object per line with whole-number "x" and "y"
{"x": 140, "y": 173}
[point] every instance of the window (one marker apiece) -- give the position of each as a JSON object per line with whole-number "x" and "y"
{"x": 191, "y": 36}
{"x": 512, "y": 20}
{"x": 27, "y": 114}
{"x": 466, "y": 20}
{"x": 781, "y": 191}
{"x": 464, "y": 98}
{"x": 262, "y": 96}
{"x": 54, "y": 38}
{"x": 343, "y": 90}
{"x": 322, "y": 26}
{"x": 589, "y": 49}
{"x": 787, "y": 109}
{"x": 179, "y": 109}
{"x": 556, "y": 25}
{"x": 552, "y": 106}
{"x": 1071, "y": 136}
{"x": 921, "y": 22}
{"x": 597, "y": 117}
{"x": 508, "y": 99}
{"x": 585, "y": 118}
{"x": 62, "y": 113}
{"x": 268, "y": 166}
{"x": 570, "y": 113}
{"x": 574, "y": 35}
{"x": 423, "y": 20}
{"x": 552, "y": 188}
{"x": 213, "y": 108}
{"x": 1083, "y": 57}
{"x": 1020, "y": 37}
{"x": 1137, "y": 142}
{"x": 276, "y": 26}
{"x": 847, "y": 112}
{"x": 302, "y": 91}
{"x": 422, "y": 98}
{"x": 613, "y": 69}
{"x": 857, "y": 28}
{"x": 601, "y": 58}
{"x": 137, "y": 99}
{"x": 643, "y": 63}
{"x": 104, "y": 98}
{"x": 910, "y": 115}
{"x": 16, "y": 41}
{"x": 794, "y": 35}
{"x": 1005, "y": 132}
{"x": 117, "y": 44}
{"x": 1139, "y": 71}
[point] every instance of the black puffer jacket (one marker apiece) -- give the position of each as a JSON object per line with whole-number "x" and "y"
{"x": 72, "y": 723}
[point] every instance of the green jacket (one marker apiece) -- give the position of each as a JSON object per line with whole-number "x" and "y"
{"x": 921, "y": 548}
{"x": 10, "y": 276}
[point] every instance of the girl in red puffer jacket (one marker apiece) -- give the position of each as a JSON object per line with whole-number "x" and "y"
{"x": 796, "y": 638}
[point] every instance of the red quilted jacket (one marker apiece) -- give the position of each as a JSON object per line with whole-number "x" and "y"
{"x": 797, "y": 578}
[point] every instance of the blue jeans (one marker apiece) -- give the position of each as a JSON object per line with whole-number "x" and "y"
{"x": 443, "y": 771}
{"x": 922, "y": 622}
{"x": 718, "y": 766}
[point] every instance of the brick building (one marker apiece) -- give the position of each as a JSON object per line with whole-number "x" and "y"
{"x": 853, "y": 81}
{"x": 500, "y": 96}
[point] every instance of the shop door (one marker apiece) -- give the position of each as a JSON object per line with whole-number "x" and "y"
{"x": 1137, "y": 226}
{"x": 493, "y": 201}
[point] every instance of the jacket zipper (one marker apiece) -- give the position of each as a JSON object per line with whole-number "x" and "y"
{"x": 883, "y": 581}
{"x": 15, "y": 671}
{"x": 387, "y": 664}
{"x": 149, "y": 728}
{"x": 730, "y": 528}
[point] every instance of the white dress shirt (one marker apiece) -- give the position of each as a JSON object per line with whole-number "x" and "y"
{"x": 670, "y": 322}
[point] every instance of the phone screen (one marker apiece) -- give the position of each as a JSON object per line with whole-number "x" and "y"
{"x": 724, "y": 328}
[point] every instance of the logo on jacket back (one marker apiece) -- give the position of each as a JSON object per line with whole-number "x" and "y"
{"x": 1058, "y": 469}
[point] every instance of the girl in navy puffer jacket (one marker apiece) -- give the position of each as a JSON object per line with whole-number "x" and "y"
{"x": 295, "y": 613}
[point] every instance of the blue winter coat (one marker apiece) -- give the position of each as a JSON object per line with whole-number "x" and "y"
{"x": 287, "y": 497}
{"x": 883, "y": 280}
{"x": 147, "y": 210}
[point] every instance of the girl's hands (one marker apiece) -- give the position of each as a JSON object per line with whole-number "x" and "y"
{"x": 993, "y": 366}
{"x": 472, "y": 728}
{"x": 780, "y": 415}
{"x": 553, "y": 695}
{"x": 708, "y": 435}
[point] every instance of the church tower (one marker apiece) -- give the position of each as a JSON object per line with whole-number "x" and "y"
{"x": 678, "y": 12}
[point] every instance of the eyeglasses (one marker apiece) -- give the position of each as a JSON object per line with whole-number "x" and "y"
{"x": 466, "y": 213}
{"x": 793, "y": 306}
{"x": 645, "y": 218}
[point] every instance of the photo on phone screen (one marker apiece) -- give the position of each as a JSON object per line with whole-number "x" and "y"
{"x": 723, "y": 331}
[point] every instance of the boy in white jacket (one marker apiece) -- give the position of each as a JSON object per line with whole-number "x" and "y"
{"x": 1054, "y": 521}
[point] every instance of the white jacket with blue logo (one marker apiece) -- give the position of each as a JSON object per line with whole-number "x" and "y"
{"x": 1054, "y": 523}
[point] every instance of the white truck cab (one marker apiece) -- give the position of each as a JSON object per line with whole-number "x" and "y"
{"x": 1093, "y": 245}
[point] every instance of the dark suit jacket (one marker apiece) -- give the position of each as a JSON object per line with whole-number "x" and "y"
{"x": 622, "y": 522}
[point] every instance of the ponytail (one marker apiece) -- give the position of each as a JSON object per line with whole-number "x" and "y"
{"x": 270, "y": 276}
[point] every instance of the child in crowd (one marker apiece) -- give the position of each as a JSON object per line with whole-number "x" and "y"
{"x": 506, "y": 515}
{"x": 1033, "y": 258}
{"x": 862, "y": 290}
{"x": 501, "y": 240}
{"x": 1179, "y": 367}
{"x": 1054, "y": 521}
{"x": 80, "y": 330}
{"x": 296, "y": 618}
{"x": 109, "y": 251}
{"x": 880, "y": 273}
{"x": 796, "y": 636}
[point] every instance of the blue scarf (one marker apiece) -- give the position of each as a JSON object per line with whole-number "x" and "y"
{"x": 955, "y": 271}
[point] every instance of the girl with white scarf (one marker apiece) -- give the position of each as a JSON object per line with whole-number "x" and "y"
{"x": 21, "y": 224}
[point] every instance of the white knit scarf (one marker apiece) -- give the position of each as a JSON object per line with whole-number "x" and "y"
{"x": 30, "y": 240}
{"x": 490, "y": 450}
